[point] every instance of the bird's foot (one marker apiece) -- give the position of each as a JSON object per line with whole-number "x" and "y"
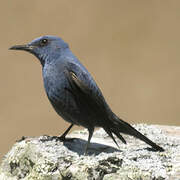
{"x": 56, "y": 138}
{"x": 64, "y": 139}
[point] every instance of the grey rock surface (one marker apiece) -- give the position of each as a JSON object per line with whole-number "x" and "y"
{"x": 46, "y": 158}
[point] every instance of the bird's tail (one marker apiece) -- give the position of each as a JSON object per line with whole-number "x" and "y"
{"x": 118, "y": 126}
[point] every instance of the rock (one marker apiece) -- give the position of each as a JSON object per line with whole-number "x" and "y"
{"x": 46, "y": 158}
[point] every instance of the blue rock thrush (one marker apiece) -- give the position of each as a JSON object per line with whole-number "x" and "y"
{"x": 74, "y": 94}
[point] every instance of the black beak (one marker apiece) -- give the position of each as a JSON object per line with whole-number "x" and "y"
{"x": 25, "y": 47}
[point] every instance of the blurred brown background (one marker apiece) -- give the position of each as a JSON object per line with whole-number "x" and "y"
{"x": 130, "y": 47}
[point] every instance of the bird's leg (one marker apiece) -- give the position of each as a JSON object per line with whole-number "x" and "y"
{"x": 91, "y": 130}
{"x": 63, "y": 136}
{"x": 60, "y": 138}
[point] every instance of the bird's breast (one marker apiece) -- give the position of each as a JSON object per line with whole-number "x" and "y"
{"x": 54, "y": 82}
{"x": 56, "y": 85}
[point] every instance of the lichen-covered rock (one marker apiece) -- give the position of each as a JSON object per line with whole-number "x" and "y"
{"x": 46, "y": 158}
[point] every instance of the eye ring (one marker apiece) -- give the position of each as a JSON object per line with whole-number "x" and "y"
{"x": 43, "y": 42}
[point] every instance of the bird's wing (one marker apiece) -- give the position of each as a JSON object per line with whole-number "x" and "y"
{"x": 87, "y": 95}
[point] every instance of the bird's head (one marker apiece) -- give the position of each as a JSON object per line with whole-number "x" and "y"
{"x": 45, "y": 48}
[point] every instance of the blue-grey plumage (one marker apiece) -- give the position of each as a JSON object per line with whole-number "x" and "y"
{"x": 73, "y": 92}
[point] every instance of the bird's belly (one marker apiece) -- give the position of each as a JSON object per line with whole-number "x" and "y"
{"x": 64, "y": 104}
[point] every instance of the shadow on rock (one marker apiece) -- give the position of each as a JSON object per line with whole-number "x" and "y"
{"x": 78, "y": 145}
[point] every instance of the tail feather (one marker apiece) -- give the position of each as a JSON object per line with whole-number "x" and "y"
{"x": 108, "y": 131}
{"x": 119, "y": 126}
{"x": 116, "y": 132}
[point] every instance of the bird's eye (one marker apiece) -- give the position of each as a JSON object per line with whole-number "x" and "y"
{"x": 43, "y": 42}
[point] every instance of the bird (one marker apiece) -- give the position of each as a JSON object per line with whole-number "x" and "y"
{"x": 73, "y": 92}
